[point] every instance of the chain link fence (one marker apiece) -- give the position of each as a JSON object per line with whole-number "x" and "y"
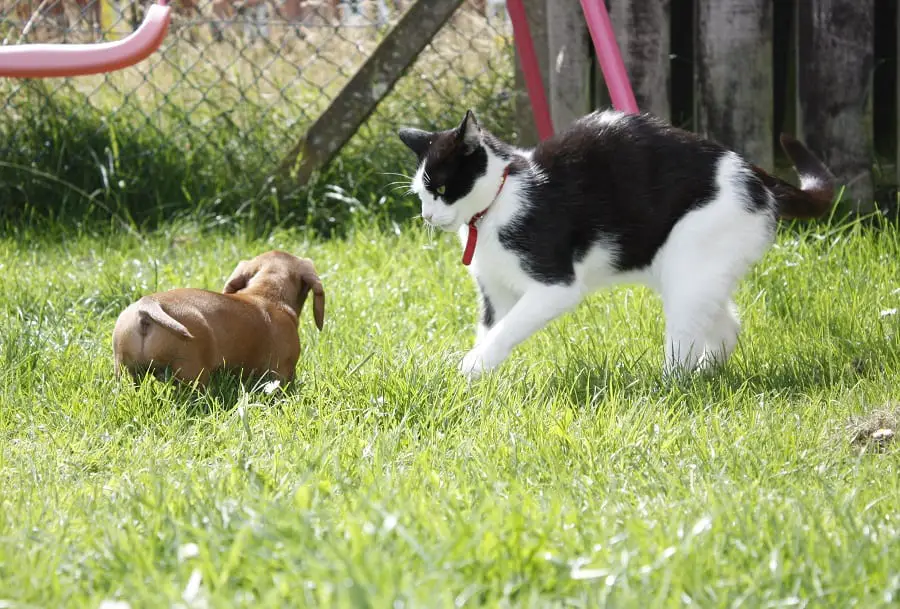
{"x": 210, "y": 116}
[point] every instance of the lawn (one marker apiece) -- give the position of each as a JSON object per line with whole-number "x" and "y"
{"x": 575, "y": 476}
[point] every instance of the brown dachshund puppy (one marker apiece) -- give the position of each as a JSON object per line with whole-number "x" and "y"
{"x": 251, "y": 326}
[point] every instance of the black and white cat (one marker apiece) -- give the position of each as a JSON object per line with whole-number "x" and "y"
{"x": 614, "y": 198}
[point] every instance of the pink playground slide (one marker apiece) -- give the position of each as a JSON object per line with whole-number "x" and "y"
{"x": 49, "y": 60}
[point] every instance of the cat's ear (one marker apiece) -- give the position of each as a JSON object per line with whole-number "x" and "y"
{"x": 469, "y": 132}
{"x": 416, "y": 139}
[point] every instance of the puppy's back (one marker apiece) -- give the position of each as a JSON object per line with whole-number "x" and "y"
{"x": 191, "y": 331}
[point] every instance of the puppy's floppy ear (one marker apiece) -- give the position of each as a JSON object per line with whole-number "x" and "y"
{"x": 417, "y": 140}
{"x": 239, "y": 278}
{"x": 310, "y": 281}
{"x": 469, "y": 132}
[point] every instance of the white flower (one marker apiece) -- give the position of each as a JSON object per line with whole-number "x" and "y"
{"x": 188, "y": 551}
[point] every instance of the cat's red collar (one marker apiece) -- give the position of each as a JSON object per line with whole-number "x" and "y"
{"x": 473, "y": 229}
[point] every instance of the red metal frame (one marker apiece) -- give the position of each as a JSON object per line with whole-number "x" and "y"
{"x": 530, "y": 67}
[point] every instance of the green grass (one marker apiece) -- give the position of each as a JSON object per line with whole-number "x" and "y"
{"x": 574, "y": 477}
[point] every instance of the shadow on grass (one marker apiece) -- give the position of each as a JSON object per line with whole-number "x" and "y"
{"x": 792, "y": 375}
{"x": 226, "y": 390}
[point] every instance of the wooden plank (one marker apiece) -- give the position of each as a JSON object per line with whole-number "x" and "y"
{"x": 734, "y": 76}
{"x": 784, "y": 62}
{"x": 835, "y": 53}
{"x": 643, "y": 33}
{"x": 600, "y": 99}
{"x": 527, "y": 134}
{"x": 884, "y": 89}
{"x": 368, "y": 86}
{"x": 570, "y": 62}
{"x": 682, "y": 84}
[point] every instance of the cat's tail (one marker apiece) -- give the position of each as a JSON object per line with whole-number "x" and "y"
{"x": 816, "y": 193}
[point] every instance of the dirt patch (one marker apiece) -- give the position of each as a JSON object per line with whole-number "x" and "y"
{"x": 877, "y": 429}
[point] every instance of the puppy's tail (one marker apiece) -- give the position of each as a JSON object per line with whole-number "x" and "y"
{"x": 149, "y": 309}
{"x": 814, "y": 197}
{"x": 311, "y": 282}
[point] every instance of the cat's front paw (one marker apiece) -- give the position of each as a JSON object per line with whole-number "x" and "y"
{"x": 475, "y": 364}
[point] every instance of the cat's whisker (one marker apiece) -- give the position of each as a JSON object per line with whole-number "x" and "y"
{"x": 403, "y": 187}
{"x": 428, "y": 227}
{"x": 406, "y": 182}
{"x": 392, "y": 173}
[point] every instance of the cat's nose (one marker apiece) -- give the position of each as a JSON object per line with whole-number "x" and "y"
{"x": 429, "y": 216}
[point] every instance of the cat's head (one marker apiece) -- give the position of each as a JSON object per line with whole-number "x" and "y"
{"x": 451, "y": 165}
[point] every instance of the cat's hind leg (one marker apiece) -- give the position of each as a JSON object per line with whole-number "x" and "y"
{"x": 690, "y": 317}
{"x": 707, "y": 252}
{"x": 702, "y": 324}
{"x": 722, "y": 337}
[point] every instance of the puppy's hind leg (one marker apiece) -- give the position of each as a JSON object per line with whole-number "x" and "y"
{"x": 193, "y": 372}
{"x": 287, "y": 372}
{"x": 121, "y": 369}
{"x": 128, "y": 344}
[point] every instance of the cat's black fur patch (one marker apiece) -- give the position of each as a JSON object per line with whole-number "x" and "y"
{"x": 487, "y": 308}
{"x": 759, "y": 195}
{"x": 625, "y": 181}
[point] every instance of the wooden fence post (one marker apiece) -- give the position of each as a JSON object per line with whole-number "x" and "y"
{"x": 368, "y": 86}
{"x": 642, "y": 30}
{"x": 536, "y": 11}
{"x": 734, "y": 75}
{"x": 835, "y": 53}
{"x": 569, "y": 62}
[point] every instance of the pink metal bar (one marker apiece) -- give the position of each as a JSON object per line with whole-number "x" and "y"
{"x": 50, "y": 60}
{"x": 611, "y": 63}
{"x": 530, "y": 67}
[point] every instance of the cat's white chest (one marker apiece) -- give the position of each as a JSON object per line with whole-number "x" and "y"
{"x": 493, "y": 264}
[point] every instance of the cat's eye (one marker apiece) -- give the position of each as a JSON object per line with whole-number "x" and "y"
{"x": 441, "y": 189}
